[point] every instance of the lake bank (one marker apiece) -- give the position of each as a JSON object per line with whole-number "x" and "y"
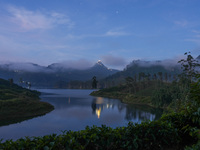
{"x": 76, "y": 109}
{"x": 18, "y": 104}
{"x": 20, "y": 110}
{"x": 124, "y": 97}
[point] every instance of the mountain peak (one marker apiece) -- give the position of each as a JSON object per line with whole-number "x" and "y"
{"x": 99, "y": 62}
{"x": 198, "y": 57}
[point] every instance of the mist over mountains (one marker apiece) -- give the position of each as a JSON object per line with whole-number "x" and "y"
{"x": 64, "y": 75}
{"x": 54, "y": 74}
{"x": 170, "y": 68}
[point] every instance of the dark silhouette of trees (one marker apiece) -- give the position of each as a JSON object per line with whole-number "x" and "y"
{"x": 160, "y": 75}
{"x": 166, "y": 76}
{"x": 183, "y": 90}
{"x": 154, "y": 76}
{"x": 11, "y": 81}
{"x": 170, "y": 77}
{"x": 130, "y": 82}
{"x": 188, "y": 66}
{"x": 94, "y": 82}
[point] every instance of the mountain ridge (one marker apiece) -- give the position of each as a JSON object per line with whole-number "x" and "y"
{"x": 49, "y": 76}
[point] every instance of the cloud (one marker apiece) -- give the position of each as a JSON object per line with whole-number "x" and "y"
{"x": 195, "y": 38}
{"x": 23, "y": 66}
{"x": 114, "y": 61}
{"x": 116, "y": 33}
{"x": 80, "y": 64}
{"x": 110, "y": 33}
{"x": 196, "y": 31}
{"x": 182, "y": 23}
{"x": 30, "y": 20}
{"x": 167, "y": 63}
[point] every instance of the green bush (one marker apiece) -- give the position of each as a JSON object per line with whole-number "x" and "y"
{"x": 147, "y": 135}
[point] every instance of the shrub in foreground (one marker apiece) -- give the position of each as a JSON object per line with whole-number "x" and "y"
{"x": 147, "y": 135}
{"x": 173, "y": 131}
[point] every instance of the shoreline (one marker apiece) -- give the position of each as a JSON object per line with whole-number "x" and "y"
{"x": 20, "y": 110}
{"x": 126, "y": 98}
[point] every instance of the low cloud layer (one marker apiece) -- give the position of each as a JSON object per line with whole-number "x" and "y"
{"x": 80, "y": 64}
{"x": 30, "y": 67}
{"x": 114, "y": 61}
{"x": 167, "y": 63}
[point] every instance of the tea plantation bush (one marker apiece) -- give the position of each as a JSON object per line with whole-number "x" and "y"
{"x": 170, "y": 132}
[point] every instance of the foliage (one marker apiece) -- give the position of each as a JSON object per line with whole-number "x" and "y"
{"x": 194, "y": 146}
{"x": 195, "y": 89}
{"x": 147, "y": 135}
{"x": 169, "y": 94}
{"x": 173, "y": 131}
{"x": 189, "y": 67}
{"x": 185, "y": 123}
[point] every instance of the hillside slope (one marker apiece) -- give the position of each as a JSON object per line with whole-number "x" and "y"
{"x": 18, "y": 104}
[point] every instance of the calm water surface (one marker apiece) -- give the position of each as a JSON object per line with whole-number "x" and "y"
{"x": 74, "y": 110}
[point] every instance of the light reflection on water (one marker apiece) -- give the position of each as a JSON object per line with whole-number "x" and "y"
{"x": 74, "y": 110}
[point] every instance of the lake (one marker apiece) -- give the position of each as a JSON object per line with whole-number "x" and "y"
{"x": 76, "y": 109}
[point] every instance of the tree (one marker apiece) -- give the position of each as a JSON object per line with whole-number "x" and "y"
{"x": 11, "y": 81}
{"x": 130, "y": 83}
{"x": 188, "y": 65}
{"x": 141, "y": 76}
{"x": 154, "y": 76}
{"x": 195, "y": 90}
{"x": 160, "y": 75}
{"x": 162, "y": 96}
{"x": 174, "y": 77}
{"x": 148, "y": 78}
{"x": 170, "y": 76}
{"x": 166, "y": 77}
{"x": 94, "y": 82}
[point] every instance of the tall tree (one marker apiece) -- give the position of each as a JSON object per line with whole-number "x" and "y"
{"x": 130, "y": 82}
{"x": 154, "y": 76}
{"x": 160, "y": 74}
{"x": 11, "y": 81}
{"x": 188, "y": 66}
{"x": 94, "y": 82}
{"x": 166, "y": 76}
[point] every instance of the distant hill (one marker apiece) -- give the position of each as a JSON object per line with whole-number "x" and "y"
{"x": 57, "y": 75}
{"x": 168, "y": 68}
{"x": 51, "y": 76}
